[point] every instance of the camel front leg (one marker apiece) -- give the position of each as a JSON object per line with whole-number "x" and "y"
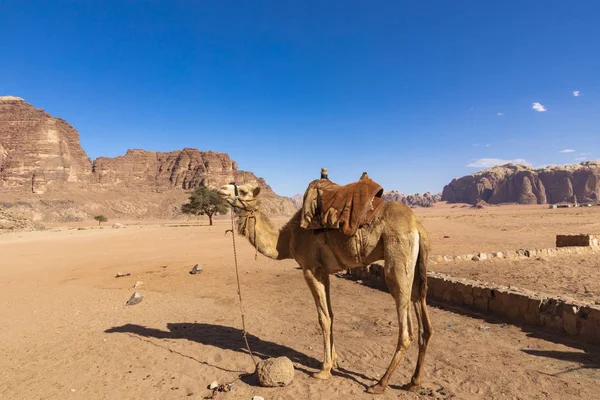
{"x": 317, "y": 282}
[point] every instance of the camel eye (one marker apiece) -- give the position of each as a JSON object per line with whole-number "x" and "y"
{"x": 243, "y": 192}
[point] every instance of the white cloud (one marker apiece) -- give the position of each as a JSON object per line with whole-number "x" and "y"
{"x": 501, "y": 114}
{"x": 576, "y": 93}
{"x": 492, "y": 162}
{"x": 475, "y": 145}
{"x": 539, "y": 107}
{"x": 567, "y": 151}
{"x": 581, "y": 158}
{"x": 488, "y": 145}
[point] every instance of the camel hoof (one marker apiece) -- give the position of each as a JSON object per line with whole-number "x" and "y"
{"x": 411, "y": 387}
{"x": 376, "y": 389}
{"x": 322, "y": 375}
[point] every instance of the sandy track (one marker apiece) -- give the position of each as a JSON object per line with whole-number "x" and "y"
{"x": 65, "y": 333}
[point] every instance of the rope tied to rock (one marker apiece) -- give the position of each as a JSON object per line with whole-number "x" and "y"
{"x": 239, "y": 288}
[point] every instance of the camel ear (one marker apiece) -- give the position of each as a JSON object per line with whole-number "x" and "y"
{"x": 256, "y": 191}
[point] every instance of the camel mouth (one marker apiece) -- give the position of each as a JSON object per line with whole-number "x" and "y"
{"x": 223, "y": 193}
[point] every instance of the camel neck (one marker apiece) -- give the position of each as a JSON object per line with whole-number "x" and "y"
{"x": 261, "y": 233}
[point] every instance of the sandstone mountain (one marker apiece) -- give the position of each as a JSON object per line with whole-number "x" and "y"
{"x": 413, "y": 200}
{"x": 522, "y": 184}
{"x": 37, "y": 150}
{"x": 41, "y": 160}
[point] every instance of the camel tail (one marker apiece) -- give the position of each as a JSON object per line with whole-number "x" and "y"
{"x": 420, "y": 280}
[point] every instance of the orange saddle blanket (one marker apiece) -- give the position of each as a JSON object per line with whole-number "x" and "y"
{"x": 328, "y": 205}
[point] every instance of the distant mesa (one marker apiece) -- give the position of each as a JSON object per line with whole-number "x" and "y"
{"x": 413, "y": 200}
{"x": 522, "y": 184}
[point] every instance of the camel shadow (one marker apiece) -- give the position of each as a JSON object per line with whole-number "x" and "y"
{"x": 228, "y": 338}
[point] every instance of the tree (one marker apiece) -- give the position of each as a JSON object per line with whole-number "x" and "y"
{"x": 205, "y": 201}
{"x": 100, "y": 219}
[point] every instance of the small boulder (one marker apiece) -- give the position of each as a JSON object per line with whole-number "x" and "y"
{"x": 275, "y": 372}
{"x": 122, "y": 274}
{"x": 138, "y": 284}
{"x": 118, "y": 225}
{"x": 214, "y": 385}
{"x": 135, "y": 298}
{"x": 196, "y": 270}
{"x": 258, "y": 398}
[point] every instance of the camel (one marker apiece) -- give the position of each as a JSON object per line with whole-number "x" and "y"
{"x": 394, "y": 236}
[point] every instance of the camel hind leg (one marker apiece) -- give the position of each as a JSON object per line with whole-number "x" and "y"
{"x": 400, "y": 260}
{"x": 419, "y": 296}
{"x": 334, "y": 357}
{"x": 425, "y": 333}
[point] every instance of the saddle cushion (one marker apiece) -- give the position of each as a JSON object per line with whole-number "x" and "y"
{"x": 328, "y": 205}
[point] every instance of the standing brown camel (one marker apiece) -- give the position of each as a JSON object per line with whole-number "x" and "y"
{"x": 394, "y": 235}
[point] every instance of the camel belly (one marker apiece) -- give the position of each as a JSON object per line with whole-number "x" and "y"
{"x": 343, "y": 252}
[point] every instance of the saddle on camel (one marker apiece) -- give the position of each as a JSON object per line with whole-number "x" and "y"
{"x": 327, "y": 205}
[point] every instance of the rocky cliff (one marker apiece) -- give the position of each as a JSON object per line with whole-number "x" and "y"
{"x": 38, "y": 150}
{"x": 41, "y": 154}
{"x": 524, "y": 185}
{"x": 181, "y": 169}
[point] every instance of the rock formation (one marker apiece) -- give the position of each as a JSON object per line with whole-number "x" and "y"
{"x": 522, "y": 184}
{"x": 298, "y": 200}
{"x": 41, "y": 154}
{"x": 37, "y": 150}
{"x": 186, "y": 169}
{"x": 413, "y": 200}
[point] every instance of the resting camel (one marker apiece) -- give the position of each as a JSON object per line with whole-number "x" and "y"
{"x": 394, "y": 235}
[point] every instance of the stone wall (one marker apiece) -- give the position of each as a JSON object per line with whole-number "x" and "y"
{"x": 584, "y": 240}
{"x": 566, "y": 244}
{"x": 523, "y": 306}
{"x": 556, "y": 313}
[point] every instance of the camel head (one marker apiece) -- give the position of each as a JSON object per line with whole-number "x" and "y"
{"x": 240, "y": 197}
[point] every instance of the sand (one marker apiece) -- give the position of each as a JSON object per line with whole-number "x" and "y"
{"x": 66, "y": 334}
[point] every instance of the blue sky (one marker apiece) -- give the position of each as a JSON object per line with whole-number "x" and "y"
{"x": 409, "y": 91}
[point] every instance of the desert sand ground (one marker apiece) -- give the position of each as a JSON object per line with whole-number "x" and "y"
{"x": 65, "y": 333}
